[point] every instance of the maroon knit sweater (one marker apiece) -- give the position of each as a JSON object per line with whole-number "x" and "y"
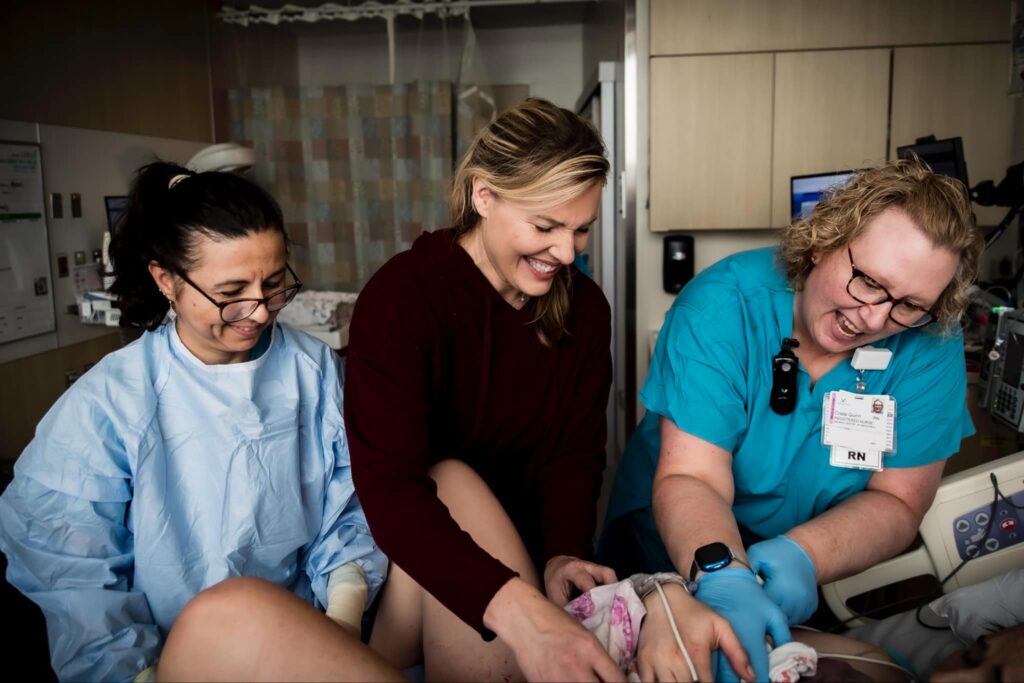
{"x": 441, "y": 366}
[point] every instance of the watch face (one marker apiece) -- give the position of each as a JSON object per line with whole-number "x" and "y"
{"x": 712, "y": 556}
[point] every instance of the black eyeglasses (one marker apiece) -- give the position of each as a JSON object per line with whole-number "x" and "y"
{"x": 866, "y": 290}
{"x": 233, "y": 310}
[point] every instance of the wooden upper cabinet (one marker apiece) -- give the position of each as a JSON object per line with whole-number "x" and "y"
{"x": 711, "y": 138}
{"x": 831, "y": 110}
{"x": 957, "y": 90}
{"x": 680, "y": 27}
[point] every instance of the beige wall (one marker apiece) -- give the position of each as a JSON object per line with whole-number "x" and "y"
{"x": 119, "y": 65}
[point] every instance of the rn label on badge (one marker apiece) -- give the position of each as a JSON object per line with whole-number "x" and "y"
{"x": 845, "y": 456}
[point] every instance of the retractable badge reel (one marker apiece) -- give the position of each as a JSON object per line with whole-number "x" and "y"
{"x": 869, "y": 358}
{"x": 784, "y": 371}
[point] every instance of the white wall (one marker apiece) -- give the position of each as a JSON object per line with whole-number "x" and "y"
{"x": 549, "y": 59}
{"x": 94, "y": 164}
{"x": 652, "y": 300}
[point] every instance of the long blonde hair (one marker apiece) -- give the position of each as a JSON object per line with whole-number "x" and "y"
{"x": 539, "y": 153}
{"x": 938, "y": 205}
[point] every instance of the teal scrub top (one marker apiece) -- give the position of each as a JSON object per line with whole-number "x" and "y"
{"x": 711, "y": 374}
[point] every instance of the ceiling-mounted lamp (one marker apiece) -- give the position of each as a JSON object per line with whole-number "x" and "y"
{"x": 227, "y": 157}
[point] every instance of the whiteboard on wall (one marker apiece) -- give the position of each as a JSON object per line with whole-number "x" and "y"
{"x": 26, "y": 291}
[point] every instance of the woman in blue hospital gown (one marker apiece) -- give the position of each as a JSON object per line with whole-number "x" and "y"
{"x": 715, "y": 481}
{"x": 211, "y": 448}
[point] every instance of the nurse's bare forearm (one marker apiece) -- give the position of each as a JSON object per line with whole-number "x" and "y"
{"x": 863, "y": 530}
{"x": 689, "y": 513}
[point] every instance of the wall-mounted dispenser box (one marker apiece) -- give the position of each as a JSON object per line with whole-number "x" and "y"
{"x": 677, "y": 262}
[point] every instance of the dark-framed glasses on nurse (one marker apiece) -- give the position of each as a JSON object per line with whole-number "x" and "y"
{"x": 233, "y": 310}
{"x": 867, "y": 290}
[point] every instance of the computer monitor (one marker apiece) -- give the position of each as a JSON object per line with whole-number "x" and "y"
{"x": 116, "y": 207}
{"x": 807, "y": 190}
{"x": 943, "y": 156}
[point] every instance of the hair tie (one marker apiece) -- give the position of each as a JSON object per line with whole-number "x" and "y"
{"x": 176, "y": 179}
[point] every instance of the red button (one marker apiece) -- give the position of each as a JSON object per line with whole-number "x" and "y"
{"x": 1008, "y": 524}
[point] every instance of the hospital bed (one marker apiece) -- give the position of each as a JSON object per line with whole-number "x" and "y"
{"x": 962, "y": 527}
{"x": 322, "y": 314}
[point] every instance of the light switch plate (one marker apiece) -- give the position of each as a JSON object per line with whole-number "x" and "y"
{"x": 76, "y": 205}
{"x": 56, "y": 205}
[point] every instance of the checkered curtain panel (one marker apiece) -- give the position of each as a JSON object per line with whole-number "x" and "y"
{"x": 360, "y": 170}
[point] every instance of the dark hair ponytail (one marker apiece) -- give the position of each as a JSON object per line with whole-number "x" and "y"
{"x": 169, "y": 206}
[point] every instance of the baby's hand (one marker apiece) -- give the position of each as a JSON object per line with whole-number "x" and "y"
{"x": 701, "y": 630}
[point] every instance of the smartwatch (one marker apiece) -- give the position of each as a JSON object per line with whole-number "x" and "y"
{"x": 711, "y": 558}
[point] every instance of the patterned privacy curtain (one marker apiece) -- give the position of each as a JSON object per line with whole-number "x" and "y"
{"x": 359, "y": 170}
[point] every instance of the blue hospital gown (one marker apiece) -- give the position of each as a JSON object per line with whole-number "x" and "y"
{"x": 711, "y": 374}
{"x": 156, "y": 476}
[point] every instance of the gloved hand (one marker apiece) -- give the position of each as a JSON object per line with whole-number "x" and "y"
{"x": 736, "y": 595}
{"x": 346, "y": 597}
{"x": 147, "y": 675}
{"x": 789, "y": 576}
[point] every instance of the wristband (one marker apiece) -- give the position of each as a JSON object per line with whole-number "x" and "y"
{"x": 644, "y": 584}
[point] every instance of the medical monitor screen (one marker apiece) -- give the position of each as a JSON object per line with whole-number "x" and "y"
{"x": 1014, "y": 358}
{"x": 945, "y": 157}
{"x": 807, "y": 190}
{"x": 115, "y": 209}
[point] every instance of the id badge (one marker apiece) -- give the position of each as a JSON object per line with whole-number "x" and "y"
{"x": 860, "y": 428}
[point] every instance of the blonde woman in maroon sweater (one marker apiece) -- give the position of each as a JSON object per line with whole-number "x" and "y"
{"x": 478, "y": 375}
{"x": 477, "y": 380}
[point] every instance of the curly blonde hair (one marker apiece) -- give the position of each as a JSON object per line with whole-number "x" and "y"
{"x": 937, "y": 204}
{"x": 535, "y": 152}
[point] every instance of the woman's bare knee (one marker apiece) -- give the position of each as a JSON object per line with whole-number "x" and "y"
{"x": 251, "y": 629}
{"x": 228, "y": 611}
{"x": 228, "y": 599}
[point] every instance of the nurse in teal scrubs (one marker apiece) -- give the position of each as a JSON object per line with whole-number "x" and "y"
{"x": 719, "y": 486}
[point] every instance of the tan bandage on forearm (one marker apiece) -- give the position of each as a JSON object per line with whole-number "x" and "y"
{"x": 346, "y": 596}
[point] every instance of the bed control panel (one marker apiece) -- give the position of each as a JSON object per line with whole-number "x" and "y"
{"x": 1006, "y": 529}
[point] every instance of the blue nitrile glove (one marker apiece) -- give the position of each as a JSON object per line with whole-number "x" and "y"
{"x": 789, "y": 576}
{"x": 736, "y": 595}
